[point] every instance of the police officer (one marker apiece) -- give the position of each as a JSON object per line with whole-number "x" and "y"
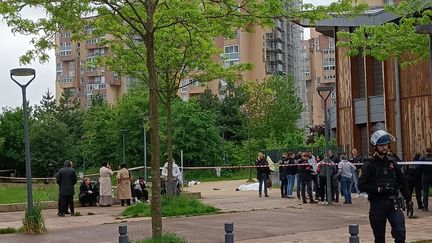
{"x": 382, "y": 179}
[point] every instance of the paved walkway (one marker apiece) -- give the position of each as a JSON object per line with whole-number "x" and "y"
{"x": 272, "y": 219}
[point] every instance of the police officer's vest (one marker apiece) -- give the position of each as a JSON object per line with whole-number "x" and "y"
{"x": 385, "y": 174}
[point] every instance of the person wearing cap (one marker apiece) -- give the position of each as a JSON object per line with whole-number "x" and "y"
{"x": 382, "y": 179}
{"x": 426, "y": 179}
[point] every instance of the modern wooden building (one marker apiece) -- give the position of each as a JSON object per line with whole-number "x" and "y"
{"x": 372, "y": 95}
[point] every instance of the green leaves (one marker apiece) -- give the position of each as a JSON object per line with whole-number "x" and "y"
{"x": 393, "y": 39}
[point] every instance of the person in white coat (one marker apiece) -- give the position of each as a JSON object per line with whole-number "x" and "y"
{"x": 176, "y": 176}
{"x": 105, "y": 193}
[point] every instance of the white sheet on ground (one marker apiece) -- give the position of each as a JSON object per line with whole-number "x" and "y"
{"x": 248, "y": 187}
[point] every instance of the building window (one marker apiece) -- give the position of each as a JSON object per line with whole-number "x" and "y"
{"x": 59, "y": 69}
{"x": 184, "y": 84}
{"x": 66, "y": 35}
{"x": 231, "y": 55}
{"x": 65, "y": 49}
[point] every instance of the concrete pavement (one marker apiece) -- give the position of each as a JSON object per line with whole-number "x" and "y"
{"x": 255, "y": 219}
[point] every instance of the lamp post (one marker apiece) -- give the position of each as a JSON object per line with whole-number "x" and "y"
{"x": 427, "y": 29}
{"x": 26, "y": 72}
{"x": 320, "y": 90}
{"x": 123, "y": 133}
{"x": 145, "y": 149}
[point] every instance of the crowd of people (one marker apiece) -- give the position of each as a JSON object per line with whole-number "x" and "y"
{"x": 99, "y": 193}
{"x": 308, "y": 173}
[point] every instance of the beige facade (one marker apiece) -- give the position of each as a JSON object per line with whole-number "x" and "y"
{"x": 75, "y": 71}
{"x": 270, "y": 50}
{"x": 319, "y": 55}
{"x": 244, "y": 48}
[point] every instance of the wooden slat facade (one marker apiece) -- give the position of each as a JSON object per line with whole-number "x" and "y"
{"x": 416, "y": 103}
{"x": 344, "y": 110}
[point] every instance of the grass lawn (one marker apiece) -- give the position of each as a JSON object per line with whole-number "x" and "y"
{"x": 17, "y": 193}
{"x": 172, "y": 206}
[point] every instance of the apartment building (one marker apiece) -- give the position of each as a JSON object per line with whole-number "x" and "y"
{"x": 77, "y": 72}
{"x": 319, "y": 70}
{"x": 271, "y": 51}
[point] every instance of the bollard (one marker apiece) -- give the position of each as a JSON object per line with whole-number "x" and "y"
{"x": 123, "y": 238}
{"x": 229, "y": 235}
{"x": 354, "y": 231}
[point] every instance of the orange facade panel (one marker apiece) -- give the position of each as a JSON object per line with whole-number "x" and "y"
{"x": 416, "y": 124}
{"x": 345, "y": 127}
{"x": 343, "y": 67}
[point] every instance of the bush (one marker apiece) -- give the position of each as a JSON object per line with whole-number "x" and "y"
{"x": 171, "y": 206}
{"x": 33, "y": 222}
{"x": 8, "y": 230}
{"x": 166, "y": 237}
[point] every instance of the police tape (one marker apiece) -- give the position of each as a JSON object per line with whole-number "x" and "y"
{"x": 225, "y": 167}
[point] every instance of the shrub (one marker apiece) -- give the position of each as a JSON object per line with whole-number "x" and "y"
{"x": 8, "y": 230}
{"x": 33, "y": 222}
{"x": 166, "y": 237}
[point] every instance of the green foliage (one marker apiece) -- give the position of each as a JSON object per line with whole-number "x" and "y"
{"x": 166, "y": 237}
{"x": 273, "y": 109}
{"x": 8, "y": 230}
{"x": 11, "y": 130}
{"x": 33, "y": 222}
{"x": 195, "y": 133}
{"x": 393, "y": 39}
{"x": 101, "y": 134}
{"x": 17, "y": 193}
{"x": 172, "y": 206}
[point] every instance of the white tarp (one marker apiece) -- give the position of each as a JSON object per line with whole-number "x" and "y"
{"x": 248, "y": 187}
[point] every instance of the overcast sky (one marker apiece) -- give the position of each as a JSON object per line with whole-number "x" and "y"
{"x": 13, "y": 46}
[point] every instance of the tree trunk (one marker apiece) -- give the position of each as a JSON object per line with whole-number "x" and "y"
{"x": 154, "y": 122}
{"x": 170, "y": 190}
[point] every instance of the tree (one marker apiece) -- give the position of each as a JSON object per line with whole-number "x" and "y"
{"x": 12, "y": 156}
{"x": 273, "y": 109}
{"x": 48, "y": 137}
{"x": 132, "y": 115}
{"x": 196, "y": 133}
{"x": 101, "y": 134}
{"x": 393, "y": 39}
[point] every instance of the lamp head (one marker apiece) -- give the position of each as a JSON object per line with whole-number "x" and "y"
{"x": 325, "y": 88}
{"x": 22, "y": 72}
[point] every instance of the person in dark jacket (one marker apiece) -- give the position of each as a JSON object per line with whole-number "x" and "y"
{"x": 282, "y": 174}
{"x": 290, "y": 172}
{"x": 426, "y": 178}
{"x": 263, "y": 173}
{"x": 322, "y": 170}
{"x": 88, "y": 193}
{"x": 383, "y": 180}
{"x": 414, "y": 178}
{"x": 66, "y": 179}
{"x": 305, "y": 174}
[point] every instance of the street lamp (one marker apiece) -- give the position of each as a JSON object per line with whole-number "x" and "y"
{"x": 427, "y": 29}
{"x": 123, "y": 133}
{"x": 26, "y": 72}
{"x": 320, "y": 90}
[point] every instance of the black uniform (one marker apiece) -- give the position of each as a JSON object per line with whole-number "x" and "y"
{"x": 426, "y": 180}
{"x": 283, "y": 176}
{"x": 382, "y": 179}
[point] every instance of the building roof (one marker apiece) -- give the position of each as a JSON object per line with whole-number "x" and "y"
{"x": 375, "y": 16}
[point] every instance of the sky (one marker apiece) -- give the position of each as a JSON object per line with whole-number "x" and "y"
{"x": 13, "y": 46}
